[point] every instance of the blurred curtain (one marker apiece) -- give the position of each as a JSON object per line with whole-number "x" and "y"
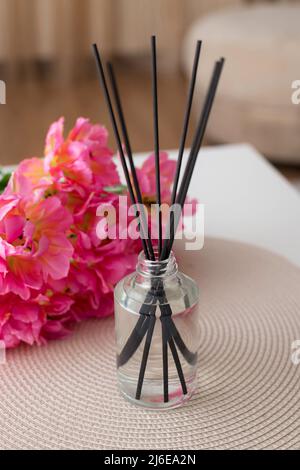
{"x": 63, "y": 30}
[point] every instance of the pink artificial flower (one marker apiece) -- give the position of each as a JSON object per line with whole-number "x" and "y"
{"x": 30, "y": 177}
{"x": 46, "y": 316}
{"x": 59, "y": 319}
{"x": 97, "y": 265}
{"x": 54, "y": 269}
{"x": 83, "y": 158}
{"x": 34, "y": 243}
{"x": 147, "y": 181}
{"x": 20, "y": 321}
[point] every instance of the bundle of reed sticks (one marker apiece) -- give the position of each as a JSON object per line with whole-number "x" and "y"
{"x": 156, "y": 296}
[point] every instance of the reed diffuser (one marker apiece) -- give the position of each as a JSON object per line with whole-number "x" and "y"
{"x": 156, "y": 307}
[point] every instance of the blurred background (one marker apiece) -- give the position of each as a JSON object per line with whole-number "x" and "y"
{"x": 47, "y": 65}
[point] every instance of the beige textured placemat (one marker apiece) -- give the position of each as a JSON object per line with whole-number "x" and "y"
{"x": 64, "y": 395}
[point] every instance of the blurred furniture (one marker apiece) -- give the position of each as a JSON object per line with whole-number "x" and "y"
{"x": 61, "y": 31}
{"x": 261, "y": 46}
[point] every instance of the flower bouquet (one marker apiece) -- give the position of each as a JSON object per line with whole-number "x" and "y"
{"x": 54, "y": 269}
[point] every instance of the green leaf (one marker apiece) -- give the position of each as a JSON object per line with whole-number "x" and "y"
{"x": 118, "y": 189}
{"x": 4, "y": 179}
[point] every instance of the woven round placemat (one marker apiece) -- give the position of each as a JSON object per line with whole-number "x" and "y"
{"x": 64, "y": 395}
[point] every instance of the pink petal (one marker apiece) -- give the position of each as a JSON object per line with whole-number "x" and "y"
{"x": 13, "y": 227}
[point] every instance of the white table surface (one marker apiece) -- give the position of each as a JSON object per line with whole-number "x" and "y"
{"x": 246, "y": 199}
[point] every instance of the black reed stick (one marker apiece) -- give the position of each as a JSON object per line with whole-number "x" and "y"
{"x": 170, "y": 332}
{"x": 117, "y": 136}
{"x": 158, "y": 203}
{"x": 185, "y": 127}
{"x": 141, "y": 328}
{"x": 143, "y": 322}
{"x": 197, "y": 142}
{"x": 178, "y": 366}
{"x": 191, "y": 357}
{"x": 103, "y": 83}
{"x": 144, "y": 361}
{"x": 186, "y": 120}
{"x": 137, "y": 189}
{"x": 124, "y": 356}
{"x": 180, "y": 200}
{"x": 200, "y": 131}
{"x": 167, "y": 322}
{"x": 165, "y": 337}
{"x": 156, "y": 141}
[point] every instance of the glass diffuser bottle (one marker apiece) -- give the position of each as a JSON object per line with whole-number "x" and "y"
{"x": 157, "y": 334}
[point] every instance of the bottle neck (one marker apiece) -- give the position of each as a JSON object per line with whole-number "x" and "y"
{"x": 158, "y": 269}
